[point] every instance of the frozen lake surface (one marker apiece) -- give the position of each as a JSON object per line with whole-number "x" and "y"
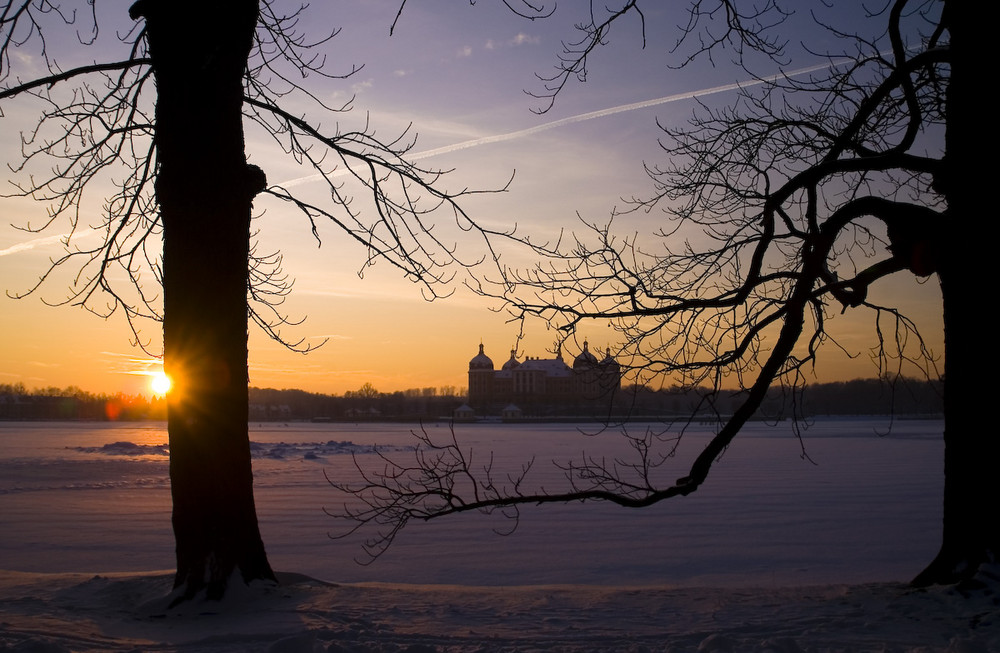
{"x": 866, "y": 508}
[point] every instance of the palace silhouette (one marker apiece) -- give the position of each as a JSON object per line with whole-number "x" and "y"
{"x": 542, "y": 386}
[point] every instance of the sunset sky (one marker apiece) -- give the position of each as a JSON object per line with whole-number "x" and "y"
{"x": 456, "y": 73}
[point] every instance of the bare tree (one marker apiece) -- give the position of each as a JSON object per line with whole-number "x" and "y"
{"x": 162, "y": 125}
{"x": 781, "y": 210}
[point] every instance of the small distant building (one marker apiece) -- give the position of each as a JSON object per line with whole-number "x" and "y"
{"x": 363, "y": 413}
{"x": 464, "y": 413}
{"x": 269, "y": 412}
{"x": 511, "y": 412}
{"x": 542, "y": 385}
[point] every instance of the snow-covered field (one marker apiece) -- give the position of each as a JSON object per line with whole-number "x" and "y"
{"x": 776, "y": 553}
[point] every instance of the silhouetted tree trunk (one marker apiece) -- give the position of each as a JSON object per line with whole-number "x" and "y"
{"x": 971, "y": 533}
{"x": 214, "y": 65}
{"x": 204, "y": 188}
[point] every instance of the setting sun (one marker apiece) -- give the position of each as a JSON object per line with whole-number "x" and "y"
{"x": 160, "y": 383}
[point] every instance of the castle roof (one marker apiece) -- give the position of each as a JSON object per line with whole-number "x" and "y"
{"x": 551, "y": 366}
{"x": 610, "y": 362}
{"x": 481, "y": 361}
{"x": 585, "y": 359}
{"x": 513, "y": 362}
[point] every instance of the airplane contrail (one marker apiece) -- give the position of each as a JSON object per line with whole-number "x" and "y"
{"x": 590, "y": 115}
{"x": 39, "y": 242}
{"x": 521, "y": 133}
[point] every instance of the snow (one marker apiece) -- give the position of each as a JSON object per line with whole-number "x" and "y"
{"x": 775, "y": 553}
{"x": 74, "y": 612}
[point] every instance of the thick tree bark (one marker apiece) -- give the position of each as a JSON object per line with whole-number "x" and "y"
{"x": 971, "y": 529}
{"x": 204, "y": 188}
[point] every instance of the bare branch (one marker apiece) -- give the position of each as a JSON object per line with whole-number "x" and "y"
{"x": 801, "y": 195}
{"x": 98, "y": 125}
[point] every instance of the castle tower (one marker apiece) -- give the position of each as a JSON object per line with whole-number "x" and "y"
{"x": 481, "y": 377}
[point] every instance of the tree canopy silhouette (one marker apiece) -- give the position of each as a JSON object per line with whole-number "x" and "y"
{"x": 780, "y": 211}
{"x": 159, "y": 118}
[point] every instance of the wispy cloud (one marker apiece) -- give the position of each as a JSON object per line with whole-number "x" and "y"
{"x": 519, "y": 39}
{"x": 360, "y": 87}
{"x": 590, "y": 115}
{"x": 119, "y": 363}
{"x": 314, "y": 371}
{"x": 524, "y": 39}
{"x": 318, "y": 292}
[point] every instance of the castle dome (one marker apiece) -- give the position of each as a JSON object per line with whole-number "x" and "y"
{"x": 481, "y": 361}
{"x": 609, "y": 362}
{"x": 513, "y": 363}
{"x": 585, "y": 359}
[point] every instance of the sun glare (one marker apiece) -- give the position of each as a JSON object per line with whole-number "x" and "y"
{"x": 160, "y": 383}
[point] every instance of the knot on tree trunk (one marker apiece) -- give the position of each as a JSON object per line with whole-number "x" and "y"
{"x": 255, "y": 180}
{"x": 139, "y": 9}
{"x": 915, "y": 241}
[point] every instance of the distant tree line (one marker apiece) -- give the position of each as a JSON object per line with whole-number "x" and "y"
{"x": 365, "y": 403}
{"x": 874, "y": 397}
{"x": 901, "y": 396}
{"x": 19, "y": 403}
{"x": 857, "y": 397}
